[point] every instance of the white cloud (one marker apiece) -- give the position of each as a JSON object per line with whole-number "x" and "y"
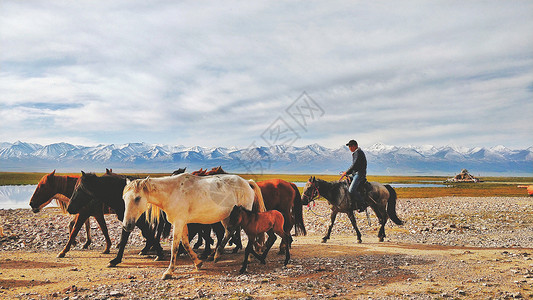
{"x": 211, "y": 74}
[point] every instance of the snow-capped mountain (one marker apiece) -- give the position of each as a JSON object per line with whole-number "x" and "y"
{"x": 315, "y": 158}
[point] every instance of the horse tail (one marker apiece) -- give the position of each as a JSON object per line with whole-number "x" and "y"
{"x": 259, "y": 204}
{"x": 297, "y": 212}
{"x": 391, "y": 205}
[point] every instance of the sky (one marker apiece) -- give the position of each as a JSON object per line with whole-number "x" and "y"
{"x": 243, "y": 73}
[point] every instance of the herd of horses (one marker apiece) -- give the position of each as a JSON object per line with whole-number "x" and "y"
{"x": 200, "y": 203}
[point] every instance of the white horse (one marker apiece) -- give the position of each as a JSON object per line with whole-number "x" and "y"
{"x": 187, "y": 199}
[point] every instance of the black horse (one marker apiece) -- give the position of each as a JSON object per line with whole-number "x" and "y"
{"x": 93, "y": 190}
{"x": 382, "y": 200}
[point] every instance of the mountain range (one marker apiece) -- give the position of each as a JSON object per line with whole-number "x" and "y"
{"x": 316, "y": 159}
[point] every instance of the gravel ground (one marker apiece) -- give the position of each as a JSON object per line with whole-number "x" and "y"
{"x": 449, "y": 221}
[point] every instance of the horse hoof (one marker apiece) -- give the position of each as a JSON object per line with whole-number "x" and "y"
{"x": 199, "y": 265}
{"x": 61, "y": 255}
{"x": 159, "y": 258}
{"x": 359, "y": 241}
{"x": 324, "y": 240}
{"x": 166, "y": 276}
{"x": 143, "y": 253}
{"x": 112, "y": 265}
{"x": 381, "y": 239}
{"x": 242, "y": 271}
{"x": 210, "y": 258}
{"x": 105, "y": 252}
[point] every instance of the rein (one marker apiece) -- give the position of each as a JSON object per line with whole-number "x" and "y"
{"x": 312, "y": 199}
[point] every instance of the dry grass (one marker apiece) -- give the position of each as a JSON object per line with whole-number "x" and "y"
{"x": 491, "y": 187}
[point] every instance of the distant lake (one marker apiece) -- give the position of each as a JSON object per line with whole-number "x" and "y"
{"x": 16, "y": 196}
{"x": 396, "y": 185}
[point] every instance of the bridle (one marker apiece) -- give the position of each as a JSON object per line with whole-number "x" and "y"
{"x": 315, "y": 194}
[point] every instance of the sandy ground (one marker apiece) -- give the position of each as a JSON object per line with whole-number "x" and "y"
{"x": 400, "y": 268}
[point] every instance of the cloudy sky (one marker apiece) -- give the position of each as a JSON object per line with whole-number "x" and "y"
{"x": 253, "y": 72}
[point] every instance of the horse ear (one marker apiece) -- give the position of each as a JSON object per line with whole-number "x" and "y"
{"x": 314, "y": 179}
{"x": 82, "y": 173}
{"x": 53, "y": 172}
{"x": 127, "y": 181}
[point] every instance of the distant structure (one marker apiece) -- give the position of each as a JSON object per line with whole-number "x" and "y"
{"x": 529, "y": 189}
{"x": 464, "y": 176}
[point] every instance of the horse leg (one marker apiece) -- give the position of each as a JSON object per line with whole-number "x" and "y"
{"x": 80, "y": 219}
{"x": 70, "y": 226}
{"x": 354, "y": 224}
{"x": 382, "y": 217}
{"x": 287, "y": 227}
{"x": 381, "y": 234}
{"x": 121, "y": 246}
{"x": 88, "y": 232}
{"x": 185, "y": 242}
{"x": 236, "y": 239}
{"x": 152, "y": 242}
{"x": 271, "y": 239}
{"x": 249, "y": 249}
{"x": 220, "y": 248}
{"x": 101, "y": 221}
{"x": 328, "y": 234}
{"x": 206, "y": 235}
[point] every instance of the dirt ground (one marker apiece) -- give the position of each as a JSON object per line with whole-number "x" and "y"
{"x": 339, "y": 269}
{"x": 449, "y": 248}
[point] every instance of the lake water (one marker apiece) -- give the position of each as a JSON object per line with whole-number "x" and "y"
{"x": 16, "y": 196}
{"x": 396, "y": 185}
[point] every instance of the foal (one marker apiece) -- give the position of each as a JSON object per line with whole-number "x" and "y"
{"x": 256, "y": 223}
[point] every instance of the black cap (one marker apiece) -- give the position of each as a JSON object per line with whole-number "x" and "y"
{"x": 352, "y": 142}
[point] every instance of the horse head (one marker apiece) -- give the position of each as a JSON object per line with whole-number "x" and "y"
{"x": 135, "y": 197}
{"x": 82, "y": 194}
{"x": 44, "y": 192}
{"x": 235, "y": 216}
{"x": 310, "y": 191}
{"x": 179, "y": 171}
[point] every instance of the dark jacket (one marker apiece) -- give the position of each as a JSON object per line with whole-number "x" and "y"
{"x": 358, "y": 162}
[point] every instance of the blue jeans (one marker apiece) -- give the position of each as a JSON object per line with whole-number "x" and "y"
{"x": 357, "y": 180}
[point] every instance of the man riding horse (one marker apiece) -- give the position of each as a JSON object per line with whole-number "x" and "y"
{"x": 358, "y": 171}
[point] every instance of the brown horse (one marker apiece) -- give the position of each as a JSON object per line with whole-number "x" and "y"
{"x": 256, "y": 223}
{"x": 280, "y": 195}
{"x": 59, "y": 188}
{"x": 284, "y": 197}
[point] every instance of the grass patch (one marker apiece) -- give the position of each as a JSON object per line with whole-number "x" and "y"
{"x": 491, "y": 187}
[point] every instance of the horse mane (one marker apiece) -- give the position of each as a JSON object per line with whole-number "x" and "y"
{"x": 62, "y": 186}
{"x": 213, "y": 171}
{"x": 153, "y": 212}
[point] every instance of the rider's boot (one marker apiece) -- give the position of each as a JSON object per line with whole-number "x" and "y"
{"x": 354, "y": 200}
{"x": 362, "y": 202}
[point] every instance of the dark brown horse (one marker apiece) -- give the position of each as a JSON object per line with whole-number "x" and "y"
{"x": 256, "y": 223}
{"x": 382, "y": 199}
{"x": 60, "y": 188}
{"x": 92, "y": 190}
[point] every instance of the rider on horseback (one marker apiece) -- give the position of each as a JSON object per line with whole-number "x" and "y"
{"x": 358, "y": 171}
